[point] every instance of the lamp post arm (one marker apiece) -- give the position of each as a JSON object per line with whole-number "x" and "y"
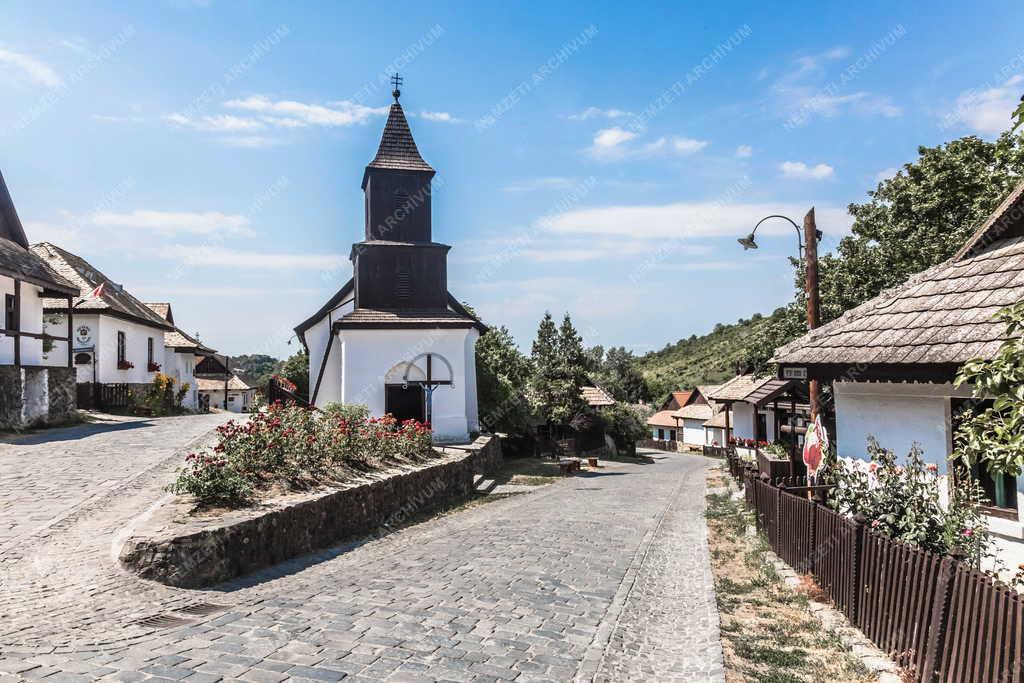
{"x": 799, "y": 239}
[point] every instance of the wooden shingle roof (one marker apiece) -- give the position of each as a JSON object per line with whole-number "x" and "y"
{"x": 397, "y": 149}
{"x": 18, "y": 262}
{"x": 738, "y": 388}
{"x": 943, "y": 315}
{"x": 115, "y": 300}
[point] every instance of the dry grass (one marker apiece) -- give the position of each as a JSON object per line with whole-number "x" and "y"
{"x": 768, "y": 632}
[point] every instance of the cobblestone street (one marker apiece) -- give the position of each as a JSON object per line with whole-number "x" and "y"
{"x": 602, "y": 576}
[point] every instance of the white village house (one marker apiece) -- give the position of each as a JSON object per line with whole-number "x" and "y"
{"x": 759, "y": 408}
{"x": 241, "y": 396}
{"x": 117, "y": 339}
{"x": 182, "y": 353}
{"x": 393, "y": 337}
{"x": 892, "y": 360}
{"x": 37, "y": 383}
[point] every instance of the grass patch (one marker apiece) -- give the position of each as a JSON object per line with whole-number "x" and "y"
{"x": 528, "y": 472}
{"x": 768, "y": 632}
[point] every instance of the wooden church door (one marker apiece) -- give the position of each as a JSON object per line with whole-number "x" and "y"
{"x": 405, "y": 403}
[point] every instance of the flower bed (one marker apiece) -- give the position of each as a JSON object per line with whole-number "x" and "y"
{"x": 174, "y": 545}
{"x": 295, "y": 447}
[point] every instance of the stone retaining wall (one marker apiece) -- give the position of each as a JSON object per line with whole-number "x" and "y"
{"x": 177, "y": 549}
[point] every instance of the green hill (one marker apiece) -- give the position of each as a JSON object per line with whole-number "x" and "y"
{"x": 708, "y": 359}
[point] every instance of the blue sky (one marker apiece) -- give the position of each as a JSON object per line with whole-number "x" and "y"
{"x": 595, "y": 158}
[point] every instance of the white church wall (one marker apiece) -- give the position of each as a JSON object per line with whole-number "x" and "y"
{"x": 317, "y": 338}
{"x": 368, "y": 355}
{"x": 472, "y": 407}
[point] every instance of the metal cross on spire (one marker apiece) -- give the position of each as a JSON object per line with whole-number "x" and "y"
{"x": 396, "y": 80}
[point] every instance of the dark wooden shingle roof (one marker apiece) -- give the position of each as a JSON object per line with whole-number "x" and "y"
{"x": 376, "y": 318}
{"x": 397, "y": 148}
{"x": 10, "y": 225}
{"x": 115, "y": 300}
{"x": 18, "y": 262}
{"x": 942, "y": 315}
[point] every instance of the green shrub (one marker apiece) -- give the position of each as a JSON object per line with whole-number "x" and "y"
{"x": 212, "y": 480}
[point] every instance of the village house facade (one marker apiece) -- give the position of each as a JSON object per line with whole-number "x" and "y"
{"x": 241, "y": 397}
{"x": 393, "y": 337}
{"x": 893, "y": 359}
{"x": 681, "y": 417}
{"x": 117, "y": 339}
{"x": 182, "y": 353}
{"x": 761, "y": 408}
{"x": 37, "y": 385}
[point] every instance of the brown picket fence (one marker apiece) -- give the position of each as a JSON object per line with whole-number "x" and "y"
{"x": 984, "y": 633}
{"x": 938, "y": 617}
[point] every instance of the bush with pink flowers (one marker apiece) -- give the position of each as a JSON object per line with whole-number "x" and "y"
{"x": 902, "y": 501}
{"x": 298, "y": 447}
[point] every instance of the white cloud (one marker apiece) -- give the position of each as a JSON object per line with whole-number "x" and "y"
{"x": 173, "y": 222}
{"x": 687, "y": 145}
{"x": 886, "y": 173}
{"x": 988, "y": 110}
{"x": 744, "y": 152}
{"x": 683, "y": 220}
{"x": 608, "y": 138}
{"x": 611, "y": 143}
{"x": 800, "y": 170}
{"x": 288, "y": 113}
{"x": 237, "y": 259}
{"x": 76, "y": 44}
{"x": 30, "y": 67}
{"x": 861, "y": 103}
{"x": 442, "y": 116}
{"x": 804, "y": 91}
{"x": 221, "y": 123}
{"x": 594, "y": 113}
{"x": 808, "y": 64}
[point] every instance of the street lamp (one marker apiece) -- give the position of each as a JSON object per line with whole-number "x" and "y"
{"x": 807, "y": 244}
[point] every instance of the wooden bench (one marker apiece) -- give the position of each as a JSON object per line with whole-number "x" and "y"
{"x": 569, "y": 465}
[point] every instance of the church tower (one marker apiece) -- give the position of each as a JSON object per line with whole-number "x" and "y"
{"x": 398, "y": 266}
{"x": 393, "y": 337}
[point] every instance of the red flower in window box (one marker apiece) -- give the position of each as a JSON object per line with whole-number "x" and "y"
{"x": 153, "y": 367}
{"x": 125, "y": 365}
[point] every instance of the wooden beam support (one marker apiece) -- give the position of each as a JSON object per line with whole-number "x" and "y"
{"x": 16, "y": 324}
{"x": 71, "y": 334}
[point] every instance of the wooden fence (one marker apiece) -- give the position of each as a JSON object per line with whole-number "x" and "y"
{"x": 937, "y": 617}
{"x": 91, "y": 395}
{"x": 659, "y": 444}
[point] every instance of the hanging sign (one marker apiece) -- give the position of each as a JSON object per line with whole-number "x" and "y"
{"x": 815, "y": 446}
{"x": 794, "y": 373}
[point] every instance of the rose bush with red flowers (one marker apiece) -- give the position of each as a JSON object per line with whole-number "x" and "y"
{"x": 298, "y": 447}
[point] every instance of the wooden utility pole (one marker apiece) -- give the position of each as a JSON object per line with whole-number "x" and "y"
{"x": 811, "y": 290}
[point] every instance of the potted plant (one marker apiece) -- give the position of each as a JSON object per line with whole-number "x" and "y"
{"x": 773, "y": 460}
{"x": 153, "y": 367}
{"x": 125, "y": 365}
